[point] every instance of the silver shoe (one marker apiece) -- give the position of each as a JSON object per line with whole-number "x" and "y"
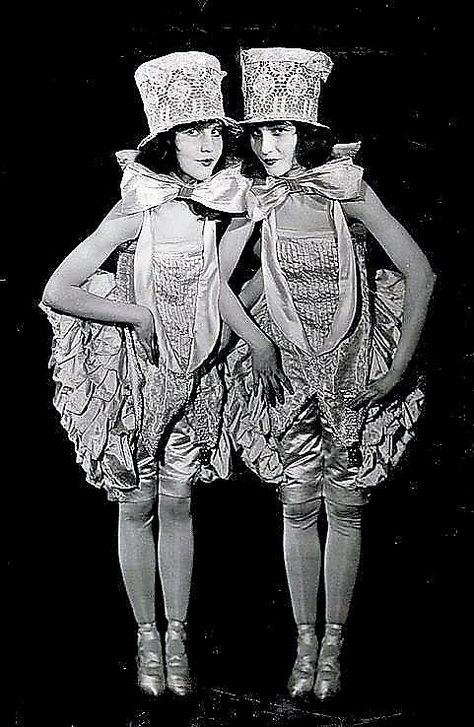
{"x": 328, "y": 675}
{"x": 150, "y": 671}
{"x": 178, "y": 677}
{"x": 301, "y": 680}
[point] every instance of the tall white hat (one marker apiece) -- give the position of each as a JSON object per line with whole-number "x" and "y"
{"x": 283, "y": 84}
{"x": 181, "y": 88}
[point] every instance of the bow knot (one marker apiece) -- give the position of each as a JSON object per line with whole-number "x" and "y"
{"x": 225, "y": 191}
{"x": 338, "y": 179}
{"x": 185, "y": 192}
{"x": 293, "y": 185}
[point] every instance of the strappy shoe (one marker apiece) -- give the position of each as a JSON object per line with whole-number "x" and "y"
{"x": 150, "y": 671}
{"x": 178, "y": 677}
{"x": 301, "y": 680}
{"x": 328, "y": 675}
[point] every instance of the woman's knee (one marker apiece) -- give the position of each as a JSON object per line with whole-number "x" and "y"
{"x": 344, "y": 517}
{"x": 140, "y": 514}
{"x": 174, "y": 509}
{"x": 302, "y": 514}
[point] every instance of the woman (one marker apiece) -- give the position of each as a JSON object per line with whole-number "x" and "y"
{"x": 337, "y": 424}
{"x": 135, "y": 390}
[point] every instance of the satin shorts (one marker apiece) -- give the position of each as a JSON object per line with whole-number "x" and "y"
{"x": 313, "y": 467}
{"x": 175, "y": 471}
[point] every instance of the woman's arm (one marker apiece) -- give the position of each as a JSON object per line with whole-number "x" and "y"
{"x": 248, "y": 296}
{"x": 265, "y": 363}
{"x": 63, "y": 290}
{"x": 252, "y": 290}
{"x": 419, "y": 280}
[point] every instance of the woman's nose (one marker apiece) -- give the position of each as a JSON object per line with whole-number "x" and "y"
{"x": 207, "y": 141}
{"x": 266, "y": 142}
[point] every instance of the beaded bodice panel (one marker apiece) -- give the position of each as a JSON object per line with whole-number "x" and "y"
{"x": 177, "y": 265}
{"x": 176, "y": 279}
{"x": 310, "y": 266}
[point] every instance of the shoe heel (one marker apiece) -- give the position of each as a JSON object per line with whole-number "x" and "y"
{"x": 301, "y": 680}
{"x": 178, "y": 677}
{"x": 150, "y": 670}
{"x": 328, "y": 675}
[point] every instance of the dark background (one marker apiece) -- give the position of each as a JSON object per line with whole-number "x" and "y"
{"x": 399, "y": 84}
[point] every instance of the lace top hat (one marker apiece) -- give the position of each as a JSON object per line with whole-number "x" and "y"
{"x": 283, "y": 84}
{"x": 181, "y": 88}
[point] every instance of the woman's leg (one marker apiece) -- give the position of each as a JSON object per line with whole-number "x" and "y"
{"x": 302, "y": 551}
{"x": 344, "y": 508}
{"x": 137, "y": 549}
{"x": 341, "y": 559}
{"x": 175, "y": 554}
{"x": 137, "y": 556}
{"x": 177, "y": 473}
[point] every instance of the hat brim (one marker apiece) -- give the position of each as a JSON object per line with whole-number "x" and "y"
{"x": 266, "y": 120}
{"x": 232, "y": 125}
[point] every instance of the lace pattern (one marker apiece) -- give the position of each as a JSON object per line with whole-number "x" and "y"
{"x": 180, "y": 88}
{"x": 283, "y": 83}
{"x": 176, "y": 279}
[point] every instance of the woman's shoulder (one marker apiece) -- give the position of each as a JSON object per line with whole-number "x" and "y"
{"x": 124, "y": 224}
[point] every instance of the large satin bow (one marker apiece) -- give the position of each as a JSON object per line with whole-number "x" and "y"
{"x": 143, "y": 190}
{"x": 337, "y": 180}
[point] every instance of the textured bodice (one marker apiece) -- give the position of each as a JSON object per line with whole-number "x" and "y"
{"x": 307, "y": 251}
{"x": 310, "y": 266}
{"x": 177, "y": 278}
{"x": 177, "y": 266}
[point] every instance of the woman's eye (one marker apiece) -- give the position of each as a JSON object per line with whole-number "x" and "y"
{"x": 216, "y": 132}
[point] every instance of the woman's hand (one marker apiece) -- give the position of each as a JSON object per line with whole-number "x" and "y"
{"x": 144, "y": 327}
{"x": 267, "y": 371}
{"x": 376, "y": 391}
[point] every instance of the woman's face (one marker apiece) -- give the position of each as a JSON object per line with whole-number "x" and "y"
{"x": 198, "y": 149}
{"x": 274, "y": 145}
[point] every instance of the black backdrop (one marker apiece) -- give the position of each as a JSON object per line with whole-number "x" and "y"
{"x": 398, "y": 85}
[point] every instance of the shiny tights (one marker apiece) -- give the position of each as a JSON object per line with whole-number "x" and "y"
{"x": 302, "y": 551}
{"x": 139, "y": 553}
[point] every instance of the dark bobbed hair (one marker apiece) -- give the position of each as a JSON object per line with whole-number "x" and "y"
{"x": 313, "y": 147}
{"x": 159, "y": 154}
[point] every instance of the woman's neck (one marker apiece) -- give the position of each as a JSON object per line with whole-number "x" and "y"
{"x": 186, "y": 178}
{"x": 296, "y": 168}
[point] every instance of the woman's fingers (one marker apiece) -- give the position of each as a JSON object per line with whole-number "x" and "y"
{"x": 155, "y": 351}
{"x": 369, "y": 396}
{"x": 150, "y": 347}
{"x": 277, "y": 387}
{"x": 286, "y": 382}
{"x": 270, "y": 384}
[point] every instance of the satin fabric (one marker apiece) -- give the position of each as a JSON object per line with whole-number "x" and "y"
{"x": 314, "y": 467}
{"x": 144, "y": 190}
{"x": 337, "y": 180}
{"x": 206, "y": 324}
